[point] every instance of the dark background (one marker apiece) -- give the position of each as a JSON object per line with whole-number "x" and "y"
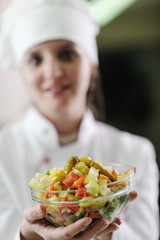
{"x": 129, "y": 55}
{"x": 129, "y": 92}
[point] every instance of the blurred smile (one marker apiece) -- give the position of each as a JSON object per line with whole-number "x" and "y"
{"x": 57, "y": 90}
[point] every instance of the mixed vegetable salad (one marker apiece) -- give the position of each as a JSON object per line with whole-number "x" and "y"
{"x": 82, "y": 188}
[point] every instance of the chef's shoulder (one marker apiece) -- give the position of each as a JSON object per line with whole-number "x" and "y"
{"x": 123, "y": 143}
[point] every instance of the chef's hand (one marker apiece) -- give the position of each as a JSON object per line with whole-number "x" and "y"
{"x": 106, "y": 234}
{"x": 133, "y": 194}
{"x": 35, "y": 226}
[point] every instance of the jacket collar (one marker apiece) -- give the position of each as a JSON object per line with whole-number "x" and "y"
{"x": 45, "y": 132}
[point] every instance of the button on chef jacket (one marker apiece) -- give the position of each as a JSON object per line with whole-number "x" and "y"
{"x": 31, "y": 145}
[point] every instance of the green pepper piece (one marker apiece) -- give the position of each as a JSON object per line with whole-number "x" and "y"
{"x": 70, "y": 164}
{"x": 96, "y": 165}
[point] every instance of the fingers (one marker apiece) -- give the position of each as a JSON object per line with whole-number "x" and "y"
{"x": 111, "y": 227}
{"x": 135, "y": 169}
{"x": 68, "y": 232}
{"x": 73, "y": 229}
{"x": 132, "y": 196}
{"x": 90, "y": 232}
{"x": 118, "y": 220}
{"x": 114, "y": 225}
{"x": 34, "y": 212}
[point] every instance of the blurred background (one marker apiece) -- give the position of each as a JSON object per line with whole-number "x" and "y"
{"x": 129, "y": 55}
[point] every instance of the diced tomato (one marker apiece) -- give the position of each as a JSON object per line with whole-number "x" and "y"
{"x": 65, "y": 199}
{"x": 123, "y": 183}
{"x": 79, "y": 182}
{"x": 82, "y": 192}
{"x": 101, "y": 176}
{"x": 50, "y": 188}
{"x": 114, "y": 172}
{"x": 70, "y": 206}
{"x": 113, "y": 188}
{"x": 91, "y": 213}
{"x": 70, "y": 179}
{"x": 73, "y": 207}
{"x": 49, "y": 194}
{"x": 94, "y": 215}
{"x": 65, "y": 215}
{"x": 86, "y": 209}
{"x": 55, "y": 213}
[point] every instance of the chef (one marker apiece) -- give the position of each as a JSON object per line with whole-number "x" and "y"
{"x": 53, "y": 45}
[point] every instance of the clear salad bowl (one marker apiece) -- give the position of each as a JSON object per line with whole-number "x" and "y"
{"x": 65, "y": 207}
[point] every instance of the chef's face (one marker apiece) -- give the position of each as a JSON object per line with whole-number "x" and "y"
{"x": 58, "y": 75}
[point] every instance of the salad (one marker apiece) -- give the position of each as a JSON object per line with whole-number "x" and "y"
{"x": 82, "y": 188}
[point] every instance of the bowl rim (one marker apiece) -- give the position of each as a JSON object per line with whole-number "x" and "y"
{"x": 116, "y": 194}
{"x": 119, "y": 193}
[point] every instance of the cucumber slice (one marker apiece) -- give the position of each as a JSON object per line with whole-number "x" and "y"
{"x": 115, "y": 207}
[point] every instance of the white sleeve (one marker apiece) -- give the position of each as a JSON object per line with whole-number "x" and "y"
{"x": 10, "y": 209}
{"x": 9, "y": 216}
{"x": 142, "y": 218}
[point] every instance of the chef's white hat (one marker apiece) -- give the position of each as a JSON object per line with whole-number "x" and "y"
{"x": 27, "y": 23}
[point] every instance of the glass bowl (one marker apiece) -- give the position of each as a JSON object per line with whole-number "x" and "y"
{"x": 61, "y": 211}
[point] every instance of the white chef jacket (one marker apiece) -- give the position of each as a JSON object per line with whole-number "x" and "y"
{"x": 31, "y": 145}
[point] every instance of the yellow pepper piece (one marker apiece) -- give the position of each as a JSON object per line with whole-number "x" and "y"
{"x": 96, "y": 165}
